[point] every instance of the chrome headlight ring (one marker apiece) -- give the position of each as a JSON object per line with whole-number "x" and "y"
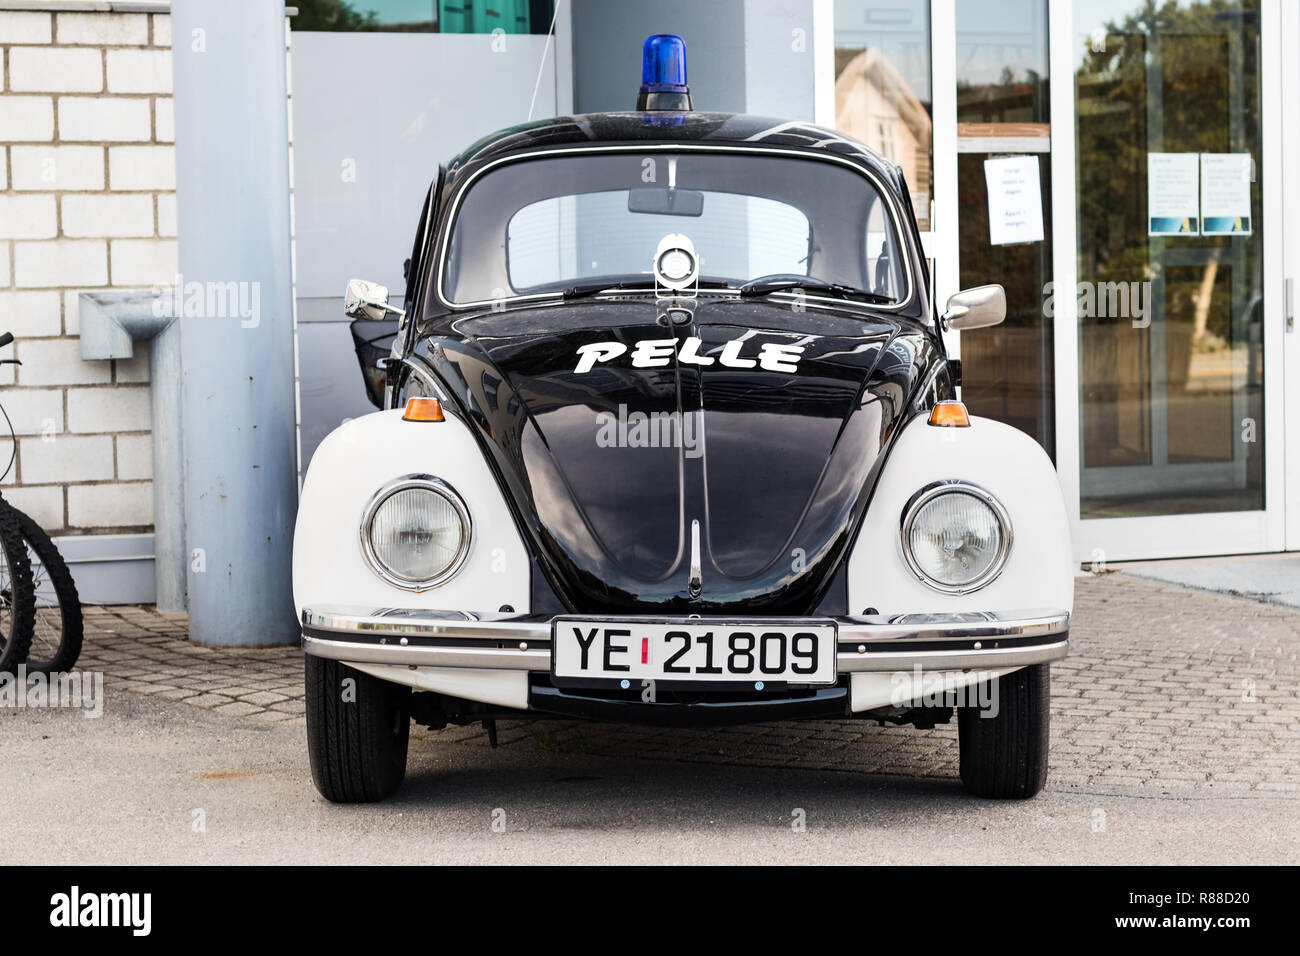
{"x": 386, "y": 491}
{"x": 955, "y": 486}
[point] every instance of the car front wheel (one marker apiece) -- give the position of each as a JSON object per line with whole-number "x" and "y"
{"x": 358, "y": 728}
{"x": 1004, "y": 751}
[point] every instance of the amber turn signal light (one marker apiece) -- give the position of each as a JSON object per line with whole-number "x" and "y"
{"x": 423, "y": 410}
{"x": 950, "y": 415}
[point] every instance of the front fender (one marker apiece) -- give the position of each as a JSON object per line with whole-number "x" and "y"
{"x": 350, "y": 465}
{"x": 1039, "y": 571}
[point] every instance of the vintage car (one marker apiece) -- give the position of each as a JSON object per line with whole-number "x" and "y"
{"x": 669, "y": 434}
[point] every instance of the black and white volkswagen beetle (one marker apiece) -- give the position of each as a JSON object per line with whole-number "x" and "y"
{"x": 669, "y": 434}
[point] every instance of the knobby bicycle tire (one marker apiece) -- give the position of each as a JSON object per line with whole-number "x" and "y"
{"x": 47, "y": 654}
{"x": 17, "y": 592}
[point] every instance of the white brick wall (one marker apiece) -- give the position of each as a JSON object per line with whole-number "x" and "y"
{"x": 139, "y": 71}
{"x": 115, "y": 409}
{"x": 142, "y": 167}
{"x": 134, "y": 456}
{"x": 60, "y": 262}
{"x": 143, "y": 262}
{"x": 43, "y": 502}
{"x": 28, "y": 217}
{"x": 34, "y": 411}
{"x": 26, "y": 119}
{"x": 103, "y": 118}
{"x": 55, "y": 70}
{"x": 100, "y": 29}
{"x": 25, "y": 27}
{"x": 87, "y": 201}
{"x": 62, "y": 458}
{"x": 109, "y": 506}
{"x": 29, "y": 315}
{"x": 47, "y": 168}
{"x": 91, "y": 215}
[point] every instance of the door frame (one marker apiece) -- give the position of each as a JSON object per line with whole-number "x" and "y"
{"x": 1100, "y": 540}
{"x": 1290, "y": 305}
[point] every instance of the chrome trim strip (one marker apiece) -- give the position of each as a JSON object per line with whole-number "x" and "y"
{"x": 853, "y": 663}
{"x": 991, "y": 627}
{"x": 864, "y": 646}
{"x": 491, "y": 658}
{"x": 396, "y": 623}
{"x": 904, "y": 236}
{"x": 539, "y": 659}
{"x": 696, "y": 583}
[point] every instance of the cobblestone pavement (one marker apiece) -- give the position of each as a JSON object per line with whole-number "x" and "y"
{"x": 145, "y": 651}
{"x": 1166, "y": 689}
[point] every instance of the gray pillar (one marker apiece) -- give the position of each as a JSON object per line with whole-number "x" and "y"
{"x": 237, "y": 366}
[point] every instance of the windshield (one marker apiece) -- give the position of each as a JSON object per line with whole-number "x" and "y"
{"x": 545, "y": 225}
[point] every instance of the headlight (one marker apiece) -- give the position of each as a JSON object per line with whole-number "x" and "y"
{"x": 955, "y": 536}
{"x": 415, "y": 532}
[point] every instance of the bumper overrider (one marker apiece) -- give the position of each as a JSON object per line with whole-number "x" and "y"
{"x": 515, "y": 642}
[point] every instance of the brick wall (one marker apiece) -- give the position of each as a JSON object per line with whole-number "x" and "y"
{"x": 87, "y": 201}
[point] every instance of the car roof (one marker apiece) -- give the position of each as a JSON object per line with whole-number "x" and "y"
{"x": 695, "y": 128}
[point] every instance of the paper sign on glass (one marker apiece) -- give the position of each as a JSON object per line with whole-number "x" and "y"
{"x": 1173, "y": 207}
{"x": 1225, "y": 194}
{"x": 1015, "y": 200}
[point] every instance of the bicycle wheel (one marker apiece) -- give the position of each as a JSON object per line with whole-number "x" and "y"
{"x": 57, "y": 631}
{"x": 17, "y": 592}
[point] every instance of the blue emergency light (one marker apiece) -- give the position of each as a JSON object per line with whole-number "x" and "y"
{"x": 663, "y": 74}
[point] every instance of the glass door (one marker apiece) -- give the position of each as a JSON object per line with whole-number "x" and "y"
{"x": 884, "y": 80}
{"x": 955, "y": 92}
{"x": 1172, "y": 225}
{"x": 1290, "y": 69}
{"x": 1003, "y": 143}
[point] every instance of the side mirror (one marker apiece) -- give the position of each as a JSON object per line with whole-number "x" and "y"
{"x": 976, "y": 308}
{"x": 367, "y": 300}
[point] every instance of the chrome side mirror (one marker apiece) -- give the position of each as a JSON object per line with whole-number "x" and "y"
{"x": 976, "y": 308}
{"x": 367, "y": 300}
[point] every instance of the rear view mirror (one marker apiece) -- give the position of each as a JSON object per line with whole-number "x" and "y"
{"x": 666, "y": 202}
{"x": 367, "y": 300}
{"x": 976, "y": 308}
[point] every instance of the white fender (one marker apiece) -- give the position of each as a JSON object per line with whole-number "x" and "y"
{"x": 350, "y": 465}
{"x": 1039, "y": 572}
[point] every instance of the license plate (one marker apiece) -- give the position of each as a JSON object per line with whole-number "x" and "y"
{"x": 732, "y": 652}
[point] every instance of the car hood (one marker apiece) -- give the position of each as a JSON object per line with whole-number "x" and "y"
{"x": 615, "y": 470}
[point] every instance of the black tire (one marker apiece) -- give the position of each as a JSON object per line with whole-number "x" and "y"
{"x": 57, "y": 630}
{"x": 1005, "y": 756}
{"x": 17, "y": 593}
{"x": 357, "y": 745}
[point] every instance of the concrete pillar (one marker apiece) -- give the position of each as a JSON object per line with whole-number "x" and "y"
{"x": 237, "y": 359}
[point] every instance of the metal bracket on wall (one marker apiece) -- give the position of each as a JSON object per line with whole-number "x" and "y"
{"x": 111, "y": 324}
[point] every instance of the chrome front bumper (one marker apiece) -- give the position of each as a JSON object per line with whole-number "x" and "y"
{"x": 422, "y": 638}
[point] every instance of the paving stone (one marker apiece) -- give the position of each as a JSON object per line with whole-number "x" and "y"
{"x": 1151, "y": 697}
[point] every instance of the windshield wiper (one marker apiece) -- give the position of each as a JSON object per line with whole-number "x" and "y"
{"x": 584, "y": 289}
{"x": 591, "y": 288}
{"x": 785, "y": 283}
